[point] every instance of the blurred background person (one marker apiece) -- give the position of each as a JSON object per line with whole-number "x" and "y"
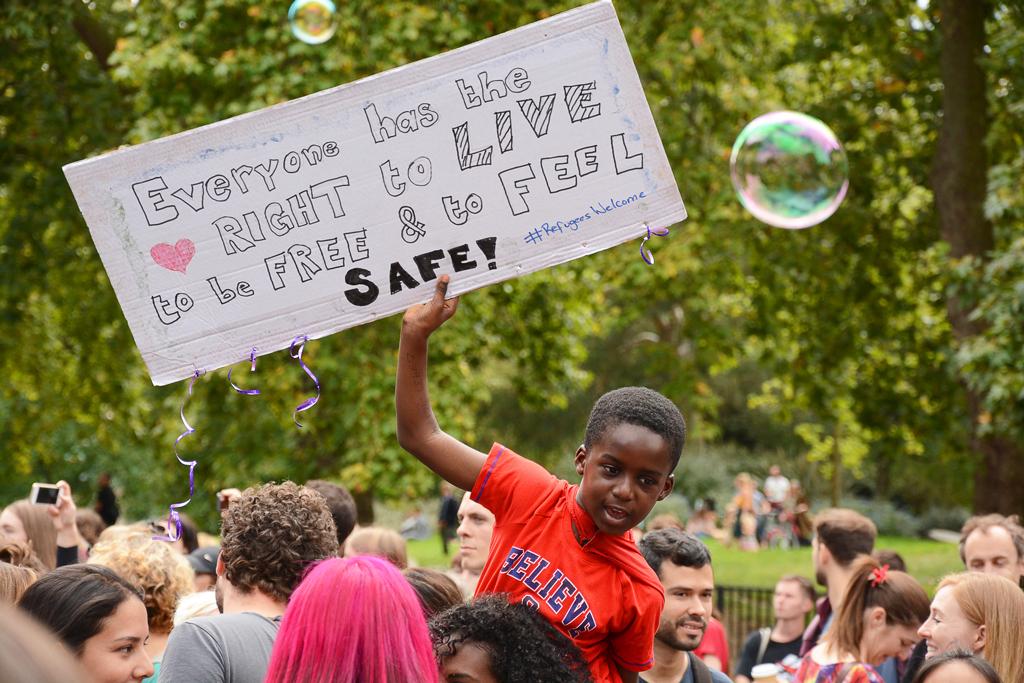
{"x": 800, "y": 509}
{"x": 29, "y": 653}
{"x": 106, "y": 500}
{"x": 204, "y": 567}
{"x": 447, "y": 516}
{"x": 13, "y": 582}
{"x": 378, "y": 542}
{"x": 435, "y": 590}
{"x": 353, "y": 619}
{"x": 29, "y": 523}
{"x": 415, "y": 526}
{"x": 99, "y": 616}
{"x": 793, "y": 600}
{"x": 776, "y": 488}
{"x": 341, "y": 505}
{"x": 19, "y": 569}
{"x": 476, "y": 526}
{"x": 90, "y": 526}
{"x": 193, "y": 605}
{"x": 665, "y": 521}
{"x": 703, "y": 523}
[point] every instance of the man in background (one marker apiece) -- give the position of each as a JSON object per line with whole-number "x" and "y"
{"x": 993, "y": 544}
{"x": 476, "y": 526}
{"x": 840, "y": 537}
{"x": 270, "y": 536}
{"x": 447, "y": 516}
{"x": 794, "y": 597}
{"x": 341, "y": 505}
{"x": 683, "y": 564}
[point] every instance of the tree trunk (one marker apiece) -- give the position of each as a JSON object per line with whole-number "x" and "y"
{"x": 837, "y": 468}
{"x": 959, "y": 182}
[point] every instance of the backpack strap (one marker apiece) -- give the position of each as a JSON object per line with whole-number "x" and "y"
{"x": 766, "y": 636}
{"x": 701, "y": 672}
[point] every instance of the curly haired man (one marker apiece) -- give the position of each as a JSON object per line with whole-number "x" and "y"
{"x": 270, "y": 535}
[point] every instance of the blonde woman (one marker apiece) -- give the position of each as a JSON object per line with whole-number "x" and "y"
{"x": 982, "y": 613}
{"x": 163, "y": 574}
{"x": 372, "y": 540}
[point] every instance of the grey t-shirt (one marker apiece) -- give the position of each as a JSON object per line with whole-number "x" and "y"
{"x": 226, "y": 648}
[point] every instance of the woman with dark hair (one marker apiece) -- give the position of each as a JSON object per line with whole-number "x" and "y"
{"x": 99, "y": 616}
{"x": 491, "y": 640}
{"x": 352, "y": 620}
{"x": 957, "y": 666}
{"x": 878, "y": 619}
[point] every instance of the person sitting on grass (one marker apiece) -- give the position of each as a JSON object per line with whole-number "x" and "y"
{"x": 491, "y": 640}
{"x": 564, "y": 550}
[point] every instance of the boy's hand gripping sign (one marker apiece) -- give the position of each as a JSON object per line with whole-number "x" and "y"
{"x": 500, "y": 158}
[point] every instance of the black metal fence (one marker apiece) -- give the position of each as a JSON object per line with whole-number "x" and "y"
{"x": 742, "y": 610}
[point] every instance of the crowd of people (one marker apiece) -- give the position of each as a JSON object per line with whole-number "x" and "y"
{"x": 552, "y": 583}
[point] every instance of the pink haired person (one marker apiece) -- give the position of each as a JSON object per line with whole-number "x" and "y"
{"x": 353, "y": 619}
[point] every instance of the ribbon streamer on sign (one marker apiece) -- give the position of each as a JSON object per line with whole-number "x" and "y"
{"x": 252, "y": 368}
{"x": 173, "y": 518}
{"x": 645, "y": 253}
{"x": 298, "y": 344}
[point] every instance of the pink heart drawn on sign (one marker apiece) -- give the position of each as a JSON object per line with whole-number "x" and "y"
{"x": 176, "y": 257}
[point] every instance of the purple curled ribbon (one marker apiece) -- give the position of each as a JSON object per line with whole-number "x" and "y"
{"x": 645, "y": 253}
{"x": 173, "y": 518}
{"x": 297, "y": 354}
{"x": 252, "y": 368}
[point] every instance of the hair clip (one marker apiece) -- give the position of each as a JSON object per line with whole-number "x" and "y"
{"x": 879, "y": 575}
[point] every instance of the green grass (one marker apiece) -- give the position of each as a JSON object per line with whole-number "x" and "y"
{"x": 427, "y": 553}
{"x": 928, "y": 561}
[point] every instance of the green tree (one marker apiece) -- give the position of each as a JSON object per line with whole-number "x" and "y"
{"x": 839, "y": 332}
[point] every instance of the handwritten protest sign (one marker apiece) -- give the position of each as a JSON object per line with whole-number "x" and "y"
{"x": 503, "y": 157}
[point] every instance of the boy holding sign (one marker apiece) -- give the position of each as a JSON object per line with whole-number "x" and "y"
{"x": 565, "y": 550}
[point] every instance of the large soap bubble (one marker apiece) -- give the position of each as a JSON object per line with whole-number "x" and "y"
{"x": 312, "y": 21}
{"x": 789, "y": 170}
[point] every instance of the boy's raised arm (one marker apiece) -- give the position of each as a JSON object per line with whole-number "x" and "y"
{"x": 418, "y": 431}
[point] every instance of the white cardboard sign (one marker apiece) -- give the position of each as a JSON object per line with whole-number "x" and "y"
{"x": 510, "y": 155}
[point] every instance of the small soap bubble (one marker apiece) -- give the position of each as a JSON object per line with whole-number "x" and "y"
{"x": 789, "y": 170}
{"x": 312, "y": 21}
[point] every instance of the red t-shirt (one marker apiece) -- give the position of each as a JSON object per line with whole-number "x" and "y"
{"x": 715, "y": 643}
{"x": 603, "y": 595}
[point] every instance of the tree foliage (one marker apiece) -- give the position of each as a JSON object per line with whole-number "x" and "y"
{"x": 836, "y": 332}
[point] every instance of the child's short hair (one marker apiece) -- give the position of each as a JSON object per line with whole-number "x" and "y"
{"x": 642, "y": 407}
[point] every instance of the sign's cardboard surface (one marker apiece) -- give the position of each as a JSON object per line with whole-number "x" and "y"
{"x": 510, "y": 155}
